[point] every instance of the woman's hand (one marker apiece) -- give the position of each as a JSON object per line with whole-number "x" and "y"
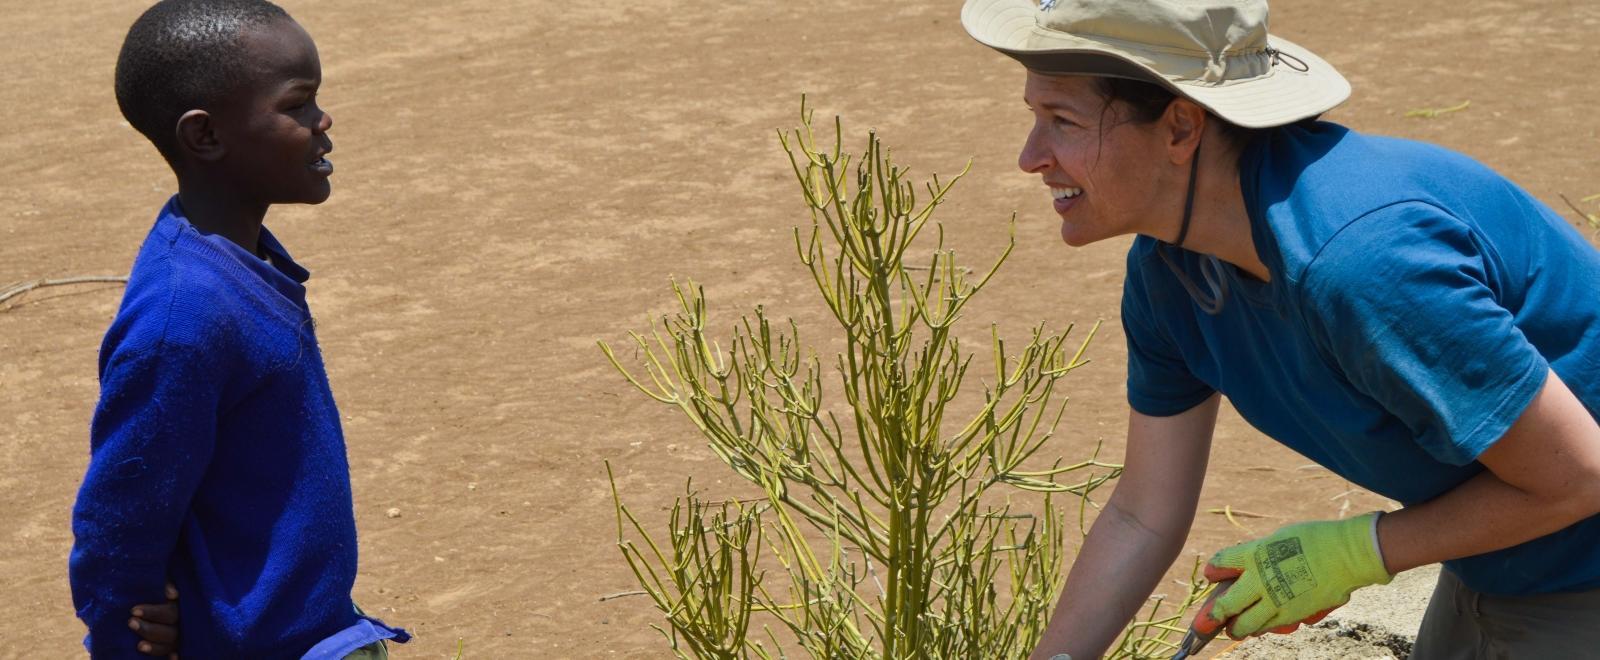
{"x": 157, "y": 626}
{"x": 1297, "y": 575}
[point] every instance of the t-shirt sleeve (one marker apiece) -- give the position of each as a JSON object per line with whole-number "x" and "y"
{"x": 151, "y": 440}
{"x": 1160, "y": 383}
{"x": 1404, "y": 301}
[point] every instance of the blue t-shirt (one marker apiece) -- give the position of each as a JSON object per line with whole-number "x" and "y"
{"x": 1418, "y": 300}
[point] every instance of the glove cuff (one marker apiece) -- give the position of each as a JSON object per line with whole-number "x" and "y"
{"x": 1377, "y": 548}
{"x": 1371, "y": 563}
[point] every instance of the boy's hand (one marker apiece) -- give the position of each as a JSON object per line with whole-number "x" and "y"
{"x": 157, "y": 625}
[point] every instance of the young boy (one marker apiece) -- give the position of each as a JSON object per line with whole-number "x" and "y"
{"x": 217, "y": 460}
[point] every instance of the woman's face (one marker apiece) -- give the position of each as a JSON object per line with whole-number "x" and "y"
{"x": 1104, "y": 172}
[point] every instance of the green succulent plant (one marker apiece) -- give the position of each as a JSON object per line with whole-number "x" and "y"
{"x": 879, "y": 528}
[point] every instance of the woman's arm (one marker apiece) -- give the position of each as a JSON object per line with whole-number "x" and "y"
{"x": 1543, "y": 475}
{"x": 1138, "y": 534}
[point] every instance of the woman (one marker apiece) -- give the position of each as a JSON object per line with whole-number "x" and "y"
{"x": 1394, "y": 311}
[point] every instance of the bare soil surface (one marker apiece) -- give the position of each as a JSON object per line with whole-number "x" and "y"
{"x": 519, "y": 179}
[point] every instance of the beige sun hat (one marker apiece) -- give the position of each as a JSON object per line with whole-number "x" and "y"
{"x": 1214, "y": 52}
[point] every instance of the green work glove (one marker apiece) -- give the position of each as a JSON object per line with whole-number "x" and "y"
{"x": 1297, "y": 575}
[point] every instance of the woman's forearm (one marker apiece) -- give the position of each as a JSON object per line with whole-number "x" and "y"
{"x": 1543, "y": 475}
{"x": 1483, "y": 514}
{"x": 1120, "y": 564}
{"x": 1137, "y": 535}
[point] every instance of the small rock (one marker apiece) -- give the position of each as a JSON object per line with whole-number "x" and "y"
{"x": 393, "y": 512}
{"x": 472, "y": 485}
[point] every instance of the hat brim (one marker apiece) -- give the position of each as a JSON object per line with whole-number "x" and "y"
{"x": 1283, "y": 96}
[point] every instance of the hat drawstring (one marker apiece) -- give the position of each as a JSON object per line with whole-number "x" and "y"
{"x": 1280, "y": 57}
{"x": 1210, "y": 266}
{"x": 1188, "y": 199}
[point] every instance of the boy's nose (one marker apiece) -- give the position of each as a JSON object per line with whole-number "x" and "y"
{"x": 325, "y": 123}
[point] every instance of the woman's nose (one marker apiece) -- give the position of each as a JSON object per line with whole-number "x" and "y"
{"x": 1034, "y": 157}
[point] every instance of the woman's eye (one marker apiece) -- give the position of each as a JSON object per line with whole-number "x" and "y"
{"x": 1063, "y": 122}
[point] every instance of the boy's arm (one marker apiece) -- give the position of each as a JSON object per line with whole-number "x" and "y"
{"x": 150, "y": 442}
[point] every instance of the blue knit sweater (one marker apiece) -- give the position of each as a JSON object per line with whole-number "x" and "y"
{"x": 217, "y": 461}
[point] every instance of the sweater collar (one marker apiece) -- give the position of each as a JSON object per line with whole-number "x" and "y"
{"x": 283, "y": 273}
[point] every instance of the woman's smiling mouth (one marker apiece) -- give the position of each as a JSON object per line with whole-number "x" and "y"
{"x": 1065, "y": 197}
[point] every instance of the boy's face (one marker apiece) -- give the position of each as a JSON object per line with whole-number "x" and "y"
{"x": 274, "y": 132}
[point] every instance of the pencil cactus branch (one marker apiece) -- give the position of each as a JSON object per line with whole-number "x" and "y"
{"x": 884, "y": 528}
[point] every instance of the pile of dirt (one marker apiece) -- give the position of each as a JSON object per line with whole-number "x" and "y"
{"x": 1329, "y": 640}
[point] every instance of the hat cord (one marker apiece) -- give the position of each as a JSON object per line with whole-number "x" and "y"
{"x": 1280, "y": 57}
{"x": 1210, "y": 266}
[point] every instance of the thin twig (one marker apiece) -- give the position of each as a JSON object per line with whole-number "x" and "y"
{"x": 1230, "y": 511}
{"x": 1430, "y": 113}
{"x": 622, "y": 594}
{"x": 42, "y": 283}
{"x": 1590, "y": 218}
{"x": 960, "y": 269}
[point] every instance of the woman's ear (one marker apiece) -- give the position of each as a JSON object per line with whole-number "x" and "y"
{"x": 1185, "y": 121}
{"x": 197, "y": 138}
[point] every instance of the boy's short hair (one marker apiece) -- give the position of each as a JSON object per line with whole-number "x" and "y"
{"x": 181, "y": 55}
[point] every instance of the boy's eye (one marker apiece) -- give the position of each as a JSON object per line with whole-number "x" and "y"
{"x": 298, "y": 103}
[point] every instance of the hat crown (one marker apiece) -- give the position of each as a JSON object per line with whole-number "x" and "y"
{"x": 1214, "y": 27}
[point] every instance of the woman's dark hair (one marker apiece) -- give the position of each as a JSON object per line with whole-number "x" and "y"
{"x": 1147, "y": 101}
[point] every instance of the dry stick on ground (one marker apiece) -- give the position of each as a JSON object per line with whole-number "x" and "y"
{"x": 1229, "y": 513}
{"x": 1592, "y": 219}
{"x": 1430, "y": 113}
{"x": 25, "y": 287}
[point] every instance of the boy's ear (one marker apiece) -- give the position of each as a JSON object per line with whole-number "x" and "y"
{"x": 197, "y": 137}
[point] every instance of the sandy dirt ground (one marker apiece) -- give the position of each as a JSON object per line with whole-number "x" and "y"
{"x": 517, "y": 180}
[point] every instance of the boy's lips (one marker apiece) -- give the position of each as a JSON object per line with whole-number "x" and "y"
{"x": 322, "y": 166}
